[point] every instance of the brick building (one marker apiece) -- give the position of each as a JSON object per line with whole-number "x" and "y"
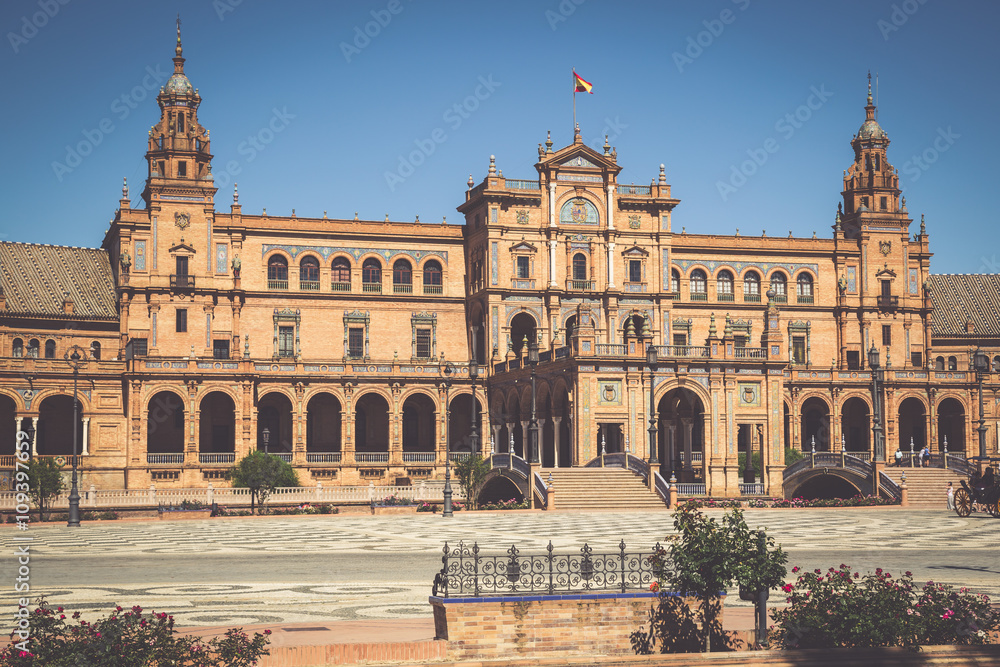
{"x": 208, "y": 333}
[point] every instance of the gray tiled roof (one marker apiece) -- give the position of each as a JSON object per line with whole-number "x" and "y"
{"x": 960, "y": 297}
{"x": 36, "y": 279}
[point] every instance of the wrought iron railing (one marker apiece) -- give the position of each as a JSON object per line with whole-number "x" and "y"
{"x": 698, "y": 296}
{"x": 724, "y": 296}
{"x": 750, "y": 297}
{"x": 686, "y": 489}
{"x": 561, "y": 352}
{"x": 229, "y": 457}
{"x": 635, "y": 189}
{"x": 419, "y": 457}
{"x": 466, "y": 572}
{"x": 323, "y": 457}
{"x": 804, "y": 298}
{"x": 164, "y": 458}
{"x": 518, "y": 184}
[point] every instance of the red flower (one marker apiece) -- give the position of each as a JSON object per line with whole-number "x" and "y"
{"x": 787, "y": 588}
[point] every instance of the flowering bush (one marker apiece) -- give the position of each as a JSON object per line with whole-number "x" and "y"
{"x": 394, "y": 500}
{"x": 711, "y": 503}
{"x": 126, "y": 638}
{"x": 512, "y": 504}
{"x": 844, "y": 608}
{"x": 427, "y": 507}
{"x": 856, "y": 501}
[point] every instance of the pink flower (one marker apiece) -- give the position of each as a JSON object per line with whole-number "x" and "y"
{"x": 787, "y": 588}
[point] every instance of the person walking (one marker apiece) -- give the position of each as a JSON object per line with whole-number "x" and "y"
{"x": 951, "y": 496}
{"x": 899, "y": 458}
{"x": 925, "y": 456}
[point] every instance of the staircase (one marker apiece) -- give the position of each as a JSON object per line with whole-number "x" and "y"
{"x": 586, "y": 489}
{"x": 927, "y": 487}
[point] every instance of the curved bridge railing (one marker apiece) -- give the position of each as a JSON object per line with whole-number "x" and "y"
{"x": 625, "y": 460}
{"x": 843, "y": 465}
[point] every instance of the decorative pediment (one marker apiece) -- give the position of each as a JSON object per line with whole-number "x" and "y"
{"x": 579, "y": 161}
{"x": 885, "y": 271}
{"x": 635, "y": 251}
{"x": 523, "y": 246}
{"x": 182, "y": 247}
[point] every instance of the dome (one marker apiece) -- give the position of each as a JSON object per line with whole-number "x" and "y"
{"x": 870, "y": 129}
{"x": 178, "y": 84}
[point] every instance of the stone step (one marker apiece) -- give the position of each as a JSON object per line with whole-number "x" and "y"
{"x": 600, "y": 489}
{"x": 926, "y": 487}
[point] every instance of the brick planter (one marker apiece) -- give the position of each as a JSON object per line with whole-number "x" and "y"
{"x": 183, "y": 515}
{"x": 395, "y": 509}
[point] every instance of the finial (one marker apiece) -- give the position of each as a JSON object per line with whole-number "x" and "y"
{"x": 607, "y": 146}
{"x": 576, "y": 134}
{"x": 124, "y": 188}
{"x": 869, "y": 87}
{"x": 728, "y": 331}
{"x": 923, "y": 227}
{"x": 324, "y": 214}
{"x": 548, "y": 141}
{"x": 417, "y": 221}
{"x": 470, "y": 182}
{"x": 500, "y": 173}
{"x": 444, "y": 220}
{"x": 265, "y": 212}
{"x": 355, "y": 216}
{"x": 902, "y": 202}
{"x": 387, "y": 217}
{"x": 236, "y": 193}
{"x": 663, "y": 174}
{"x": 836, "y": 220}
{"x": 711, "y": 325}
{"x": 293, "y": 212}
{"x": 178, "y": 50}
{"x": 493, "y": 165}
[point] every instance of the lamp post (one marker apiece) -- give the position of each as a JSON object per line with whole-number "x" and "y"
{"x": 447, "y": 371}
{"x": 473, "y": 375}
{"x": 533, "y": 426}
{"x": 75, "y": 358}
{"x": 873, "y": 364}
{"x": 982, "y": 363}
{"x": 651, "y": 361}
{"x": 267, "y": 439}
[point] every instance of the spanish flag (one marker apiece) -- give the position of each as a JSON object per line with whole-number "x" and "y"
{"x": 581, "y": 86}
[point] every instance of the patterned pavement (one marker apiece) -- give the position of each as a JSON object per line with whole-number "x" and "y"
{"x": 306, "y": 569}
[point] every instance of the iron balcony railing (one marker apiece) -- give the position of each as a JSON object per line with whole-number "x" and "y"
{"x": 724, "y": 296}
{"x": 308, "y": 285}
{"x": 228, "y": 457}
{"x": 467, "y": 572}
{"x": 804, "y": 298}
{"x": 340, "y": 287}
{"x": 323, "y": 457}
{"x": 698, "y": 296}
{"x": 160, "y": 459}
{"x": 886, "y": 302}
{"x": 181, "y": 281}
{"x": 750, "y": 297}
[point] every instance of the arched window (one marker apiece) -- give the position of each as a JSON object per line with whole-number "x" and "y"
{"x": 751, "y": 287}
{"x": 675, "y": 281}
{"x": 432, "y": 277}
{"x": 402, "y": 276}
{"x": 939, "y": 364}
{"x": 18, "y": 347}
{"x": 996, "y": 364}
{"x": 779, "y": 283}
{"x": 804, "y": 288}
{"x": 33, "y": 348}
{"x": 340, "y": 275}
{"x": 95, "y": 350}
{"x": 277, "y": 273}
{"x": 699, "y": 285}
{"x": 724, "y": 286}
{"x": 952, "y": 364}
{"x": 50, "y": 349}
{"x": 309, "y": 273}
{"x": 579, "y": 266}
{"x": 371, "y": 275}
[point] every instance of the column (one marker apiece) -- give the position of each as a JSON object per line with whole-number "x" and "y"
{"x": 556, "y": 426}
{"x": 552, "y": 204}
{"x": 34, "y": 436}
{"x": 525, "y": 445}
{"x": 552, "y": 263}
{"x": 509, "y": 445}
{"x": 611, "y": 264}
{"x": 611, "y": 206}
{"x": 347, "y": 431}
{"x": 688, "y": 436}
{"x": 541, "y": 440}
{"x": 84, "y": 451}
{"x": 671, "y": 448}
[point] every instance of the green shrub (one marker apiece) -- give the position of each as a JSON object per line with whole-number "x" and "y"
{"x": 792, "y": 455}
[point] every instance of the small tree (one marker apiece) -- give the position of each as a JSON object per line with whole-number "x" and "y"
{"x": 262, "y": 473}
{"x": 759, "y": 567}
{"x": 471, "y": 471}
{"x": 45, "y": 482}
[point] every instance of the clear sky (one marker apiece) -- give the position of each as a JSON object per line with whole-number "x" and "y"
{"x": 395, "y": 120}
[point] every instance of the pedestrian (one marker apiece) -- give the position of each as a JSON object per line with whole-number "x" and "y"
{"x": 899, "y": 458}
{"x": 951, "y": 496}
{"x": 925, "y": 457}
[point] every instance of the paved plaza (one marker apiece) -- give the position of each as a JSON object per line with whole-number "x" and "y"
{"x": 240, "y": 571}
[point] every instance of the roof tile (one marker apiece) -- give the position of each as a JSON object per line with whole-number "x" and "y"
{"x": 36, "y": 278}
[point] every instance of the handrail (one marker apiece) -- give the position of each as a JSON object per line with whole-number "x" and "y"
{"x": 541, "y": 490}
{"x": 662, "y": 486}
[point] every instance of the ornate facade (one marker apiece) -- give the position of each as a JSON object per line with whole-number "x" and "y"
{"x": 209, "y": 333}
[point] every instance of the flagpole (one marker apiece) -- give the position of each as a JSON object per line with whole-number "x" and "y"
{"x": 574, "y": 102}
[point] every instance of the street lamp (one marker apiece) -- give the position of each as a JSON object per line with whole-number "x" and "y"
{"x": 473, "y": 375}
{"x": 873, "y": 364}
{"x": 75, "y": 358}
{"x": 651, "y": 361}
{"x": 267, "y": 438}
{"x": 982, "y": 363}
{"x": 533, "y": 426}
{"x": 447, "y": 370}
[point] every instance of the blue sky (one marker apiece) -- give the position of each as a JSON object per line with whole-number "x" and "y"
{"x": 698, "y": 86}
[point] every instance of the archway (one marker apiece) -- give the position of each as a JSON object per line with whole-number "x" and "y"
{"x": 826, "y": 486}
{"x": 951, "y": 425}
{"x": 522, "y": 328}
{"x": 323, "y": 423}
{"x": 418, "y": 423}
{"x": 8, "y": 428}
{"x": 634, "y": 325}
{"x": 562, "y": 427}
{"x": 681, "y": 436}
{"x": 499, "y": 488}
{"x": 217, "y": 423}
{"x": 855, "y": 425}
{"x": 460, "y": 422}
{"x": 274, "y": 413}
{"x": 816, "y": 424}
{"x": 371, "y": 424}
{"x": 55, "y": 427}
{"x": 165, "y": 424}
{"x": 515, "y": 442}
{"x": 912, "y": 420}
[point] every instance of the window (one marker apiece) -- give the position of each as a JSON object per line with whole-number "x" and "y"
{"x": 804, "y": 288}
{"x": 356, "y": 342}
{"x": 680, "y": 339}
{"x": 182, "y": 265}
{"x": 699, "y": 285}
{"x": 740, "y": 340}
{"x": 952, "y": 364}
{"x": 675, "y": 281}
{"x": 724, "y": 286}
{"x": 799, "y": 349}
{"x": 402, "y": 277}
{"x": 277, "y": 269}
{"x": 779, "y": 283}
{"x": 18, "y": 348}
{"x": 635, "y": 271}
{"x": 579, "y": 266}
{"x": 432, "y": 277}
{"x": 180, "y": 122}
{"x": 309, "y": 273}
{"x": 996, "y": 364}
{"x": 182, "y": 167}
{"x": 95, "y": 351}
{"x": 220, "y": 349}
{"x": 864, "y": 202}
{"x": 182, "y": 320}
{"x": 523, "y": 266}
{"x": 424, "y": 343}
{"x": 371, "y": 272}
{"x": 50, "y": 349}
{"x": 883, "y": 203}
{"x": 939, "y": 364}
{"x": 887, "y": 334}
{"x": 853, "y": 360}
{"x": 886, "y": 288}
{"x": 140, "y": 347}
{"x": 751, "y": 287}
{"x": 33, "y": 348}
{"x": 286, "y": 341}
{"x": 340, "y": 274}
{"x": 916, "y": 359}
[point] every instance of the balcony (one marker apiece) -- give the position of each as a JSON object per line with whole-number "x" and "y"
{"x": 419, "y": 457}
{"x": 322, "y": 457}
{"x": 181, "y": 281}
{"x": 371, "y": 457}
{"x": 750, "y": 353}
{"x": 433, "y": 289}
{"x": 340, "y": 287}
{"x": 725, "y": 296}
{"x": 580, "y": 285}
{"x": 164, "y": 459}
{"x": 277, "y": 284}
{"x": 402, "y": 288}
{"x": 804, "y": 298}
{"x": 646, "y": 190}
{"x": 222, "y": 458}
{"x": 371, "y": 288}
{"x": 886, "y": 302}
{"x": 309, "y": 285}
{"x": 779, "y": 298}
{"x": 610, "y": 349}
{"x": 698, "y": 296}
{"x": 697, "y": 351}
{"x": 750, "y": 297}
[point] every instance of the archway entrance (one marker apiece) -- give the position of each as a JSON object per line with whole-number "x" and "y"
{"x": 816, "y": 425}
{"x": 165, "y": 424}
{"x": 951, "y": 425}
{"x": 912, "y": 420}
{"x": 855, "y": 425}
{"x": 217, "y": 423}
{"x": 55, "y": 427}
{"x": 522, "y": 329}
{"x": 323, "y": 423}
{"x": 274, "y": 413}
{"x": 681, "y": 437}
{"x": 460, "y": 422}
{"x": 8, "y": 429}
{"x": 371, "y": 424}
{"x": 418, "y": 423}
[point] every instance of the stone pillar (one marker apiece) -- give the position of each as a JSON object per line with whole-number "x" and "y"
{"x": 550, "y": 498}
{"x": 525, "y": 445}
{"x": 84, "y": 451}
{"x": 552, "y": 263}
{"x": 556, "y": 423}
{"x": 347, "y": 432}
{"x": 34, "y": 436}
{"x": 509, "y": 445}
{"x": 688, "y": 435}
{"x": 671, "y": 448}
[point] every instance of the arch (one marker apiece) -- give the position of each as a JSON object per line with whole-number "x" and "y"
{"x": 371, "y": 423}
{"x": 277, "y": 267}
{"x": 309, "y": 270}
{"x": 499, "y": 487}
{"x": 855, "y": 425}
{"x": 815, "y": 413}
{"x": 402, "y": 272}
{"x": 371, "y": 271}
{"x": 95, "y": 350}
{"x": 699, "y": 282}
{"x": 165, "y": 423}
{"x": 274, "y": 413}
{"x": 724, "y": 285}
{"x": 912, "y": 424}
{"x": 952, "y": 363}
{"x": 8, "y": 427}
{"x": 323, "y": 423}
{"x": 779, "y": 283}
{"x": 433, "y": 275}
{"x": 562, "y": 425}
{"x": 17, "y": 348}
{"x": 419, "y": 421}
{"x": 996, "y": 364}
{"x": 951, "y": 424}
{"x": 675, "y": 281}
{"x": 804, "y": 285}
{"x": 939, "y": 364}
{"x": 751, "y": 286}
{"x": 460, "y": 420}
{"x": 580, "y": 266}
{"x": 827, "y": 486}
{"x": 55, "y": 426}
{"x": 680, "y": 419}
{"x": 33, "y": 348}
{"x": 579, "y": 210}
{"x": 50, "y": 349}
{"x": 515, "y": 443}
{"x": 217, "y": 423}
{"x": 569, "y": 327}
{"x": 340, "y": 271}
{"x": 634, "y": 324}
{"x": 522, "y": 327}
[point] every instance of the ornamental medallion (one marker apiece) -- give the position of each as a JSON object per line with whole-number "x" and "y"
{"x": 578, "y": 212}
{"x": 182, "y": 220}
{"x": 885, "y": 247}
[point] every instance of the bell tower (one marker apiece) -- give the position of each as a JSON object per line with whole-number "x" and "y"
{"x": 179, "y": 153}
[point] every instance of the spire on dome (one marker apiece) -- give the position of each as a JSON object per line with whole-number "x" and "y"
{"x": 179, "y": 51}
{"x": 869, "y": 75}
